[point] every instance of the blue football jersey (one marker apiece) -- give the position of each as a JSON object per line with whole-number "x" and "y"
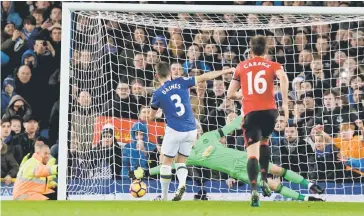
{"x": 173, "y": 98}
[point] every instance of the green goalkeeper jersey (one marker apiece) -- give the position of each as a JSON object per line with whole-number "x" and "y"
{"x": 210, "y": 153}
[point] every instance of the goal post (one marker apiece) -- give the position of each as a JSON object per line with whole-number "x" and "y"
{"x": 149, "y": 16}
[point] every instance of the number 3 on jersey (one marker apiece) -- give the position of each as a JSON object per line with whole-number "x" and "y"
{"x": 257, "y": 82}
{"x": 178, "y": 104}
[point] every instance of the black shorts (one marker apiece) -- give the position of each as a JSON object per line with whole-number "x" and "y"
{"x": 259, "y": 125}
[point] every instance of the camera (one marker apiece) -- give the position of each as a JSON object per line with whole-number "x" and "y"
{"x": 44, "y": 43}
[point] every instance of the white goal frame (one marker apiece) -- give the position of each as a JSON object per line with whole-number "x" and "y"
{"x": 68, "y": 8}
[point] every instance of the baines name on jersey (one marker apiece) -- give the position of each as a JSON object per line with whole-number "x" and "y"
{"x": 171, "y": 87}
{"x": 252, "y": 64}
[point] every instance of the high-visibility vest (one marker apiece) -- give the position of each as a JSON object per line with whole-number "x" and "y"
{"x": 31, "y": 181}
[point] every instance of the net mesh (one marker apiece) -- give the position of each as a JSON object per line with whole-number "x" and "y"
{"x": 112, "y": 77}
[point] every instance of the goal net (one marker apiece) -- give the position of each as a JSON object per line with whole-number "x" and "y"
{"x": 112, "y": 76}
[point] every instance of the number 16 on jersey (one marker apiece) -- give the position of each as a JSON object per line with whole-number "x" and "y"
{"x": 258, "y": 82}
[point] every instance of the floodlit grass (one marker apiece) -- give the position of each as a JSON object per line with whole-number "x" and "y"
{"x": 186, "y": 208}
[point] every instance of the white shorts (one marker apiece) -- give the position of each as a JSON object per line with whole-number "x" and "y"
{"x": 178, "y": 142}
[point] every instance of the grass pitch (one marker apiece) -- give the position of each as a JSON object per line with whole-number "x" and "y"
{"x": 186, "y": 208}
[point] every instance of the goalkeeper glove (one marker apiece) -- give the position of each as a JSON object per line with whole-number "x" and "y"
{"x": 137, "y": 174}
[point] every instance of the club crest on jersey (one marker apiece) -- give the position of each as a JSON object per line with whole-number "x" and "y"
{"x": 207, "y": 151}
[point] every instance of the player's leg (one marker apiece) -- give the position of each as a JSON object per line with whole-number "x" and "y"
{"x": 268, "y": 120}
{"x": 252, "y": 135}
{"x": 251, "y": 138}
{"x": 276, "y": 186}
{"x": 294, "y": 177}
{"x": 169, "y": 150}
{"x": 264, "y": 157}
{"x": 180, "y": 163}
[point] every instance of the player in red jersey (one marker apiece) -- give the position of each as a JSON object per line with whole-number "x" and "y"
{"x": 256, "y": 78}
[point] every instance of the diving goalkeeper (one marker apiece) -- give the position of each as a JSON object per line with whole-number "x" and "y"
{"x": 208, "y": 152}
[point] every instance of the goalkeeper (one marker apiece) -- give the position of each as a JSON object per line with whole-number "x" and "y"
{"x": 208, "y": 152}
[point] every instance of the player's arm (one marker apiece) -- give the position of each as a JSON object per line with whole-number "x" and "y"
{"x": 154, "y": 105}
{"x": 212, "y": 75}
{"x": 152, "y": 114}
{"x": 284, "y": 83}
{"x": 234, "y": 125}
{"x": 233, "y": 92}
{"x": 234, "y": 86}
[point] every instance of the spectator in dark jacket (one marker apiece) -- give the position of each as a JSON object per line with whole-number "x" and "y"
{"x": 55, "y": 34}
{"x": 29, "y": 58}
{"x": 138, "y": 95}
{"x": 293, "y": 151}
{"x": 23, "y": 143}
{"x": 41, "y": 70}
{"x": 82, "y": 134}
{"x": 5, "y": 130}
{"x": 122, "y": 104}
{"x": 217, "y": 94}
{"x": 9, "y": 166}
{"x": 16, "y": 124}
{"x": 7, "y": 93}
{"x": 108, "y": 149}
{"x": 18, "y": 107}
{"x": 26, "y": 86}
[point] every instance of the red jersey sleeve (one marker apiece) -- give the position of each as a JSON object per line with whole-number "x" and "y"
{"x": 236, "y": 75}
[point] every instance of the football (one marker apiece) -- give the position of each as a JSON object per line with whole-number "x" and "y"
{"x": 138, "y": 189}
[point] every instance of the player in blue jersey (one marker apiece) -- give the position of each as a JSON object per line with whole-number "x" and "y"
{"x": 174, "y": 99}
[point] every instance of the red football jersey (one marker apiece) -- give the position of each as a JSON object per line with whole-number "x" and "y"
{"x": 256, "y": 77}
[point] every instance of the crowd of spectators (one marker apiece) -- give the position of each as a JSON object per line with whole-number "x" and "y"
{"x": 114, "y": 75}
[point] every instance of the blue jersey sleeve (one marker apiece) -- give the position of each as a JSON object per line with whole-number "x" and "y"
{"x": 187, "y": 82}
{"x": 155, "y": 101}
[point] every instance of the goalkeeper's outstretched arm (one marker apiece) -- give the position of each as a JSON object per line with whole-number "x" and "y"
{"x": 234, "y": 125}
{"x": 142, "y": 173}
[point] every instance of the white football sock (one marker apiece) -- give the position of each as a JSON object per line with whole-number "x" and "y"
{"x": 165, "y": 179}
{"x": 181, "y": 171}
